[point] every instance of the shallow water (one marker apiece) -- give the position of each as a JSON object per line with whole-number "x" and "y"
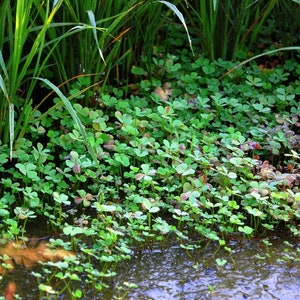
{"x": 170, "y": 272}
{"x": 175, "y": 274}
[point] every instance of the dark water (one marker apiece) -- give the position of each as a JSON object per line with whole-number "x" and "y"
{"x": 175, "y": 274}
{"x": 170, "y": 272}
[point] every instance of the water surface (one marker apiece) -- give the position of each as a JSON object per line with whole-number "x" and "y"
{"x": 166, "y": 271}
{"x": 173, "y": 273}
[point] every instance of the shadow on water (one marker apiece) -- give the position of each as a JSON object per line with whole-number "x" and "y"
{"x": 256, "y": 271}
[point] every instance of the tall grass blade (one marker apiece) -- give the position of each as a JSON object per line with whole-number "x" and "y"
{"x": 2, "y": 65}
{"x": 3, "y": 105}
{"x": 10, "y": 115}
{"x": 93, "y": 23}
{"x": 260, "y": 55}
{"x": 215, "y": 2}
{"x": 3, "y": 88}
{"x": 181, "y": 18}
{"x": 75, "y": 117}
{"x": 54, "y": 3}
{"x": 11, "y": 128}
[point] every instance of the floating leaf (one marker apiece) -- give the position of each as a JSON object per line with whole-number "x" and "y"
{"x": 14, "y": 253}
{"x": 47, "y": 288}
{"x": 221, "y": 262}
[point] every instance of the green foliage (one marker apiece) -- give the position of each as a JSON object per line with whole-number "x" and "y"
{"x": 33, "y": 45}
{"x": 190, "y": 151}
{"x": 207, "y": 156}
{"x": 226, "y": 29}
{"x": 16, "y": 60}
{"x": 121, "y": 30}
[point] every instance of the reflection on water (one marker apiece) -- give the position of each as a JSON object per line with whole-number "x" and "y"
{"x": 176, "y": 274}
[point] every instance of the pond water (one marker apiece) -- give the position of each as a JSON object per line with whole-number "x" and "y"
{"x": 254, "y": 271}
{"x": 173, "y": 273}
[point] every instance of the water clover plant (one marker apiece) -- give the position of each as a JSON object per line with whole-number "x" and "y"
{"x": 214, "y": 159}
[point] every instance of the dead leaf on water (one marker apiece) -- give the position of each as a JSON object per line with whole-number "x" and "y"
{"x": 14, "y": 253}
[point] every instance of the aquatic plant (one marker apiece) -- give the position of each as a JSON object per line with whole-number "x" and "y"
{"x": 192, "y": 149}
{"x": 183, "y": 166}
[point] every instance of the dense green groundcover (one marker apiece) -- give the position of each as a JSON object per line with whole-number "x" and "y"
{"x": 181, "y": 153}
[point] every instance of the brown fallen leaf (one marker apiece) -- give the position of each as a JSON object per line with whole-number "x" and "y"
{"x": 10, "y": 291}
{"x": 18, "y": 254}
